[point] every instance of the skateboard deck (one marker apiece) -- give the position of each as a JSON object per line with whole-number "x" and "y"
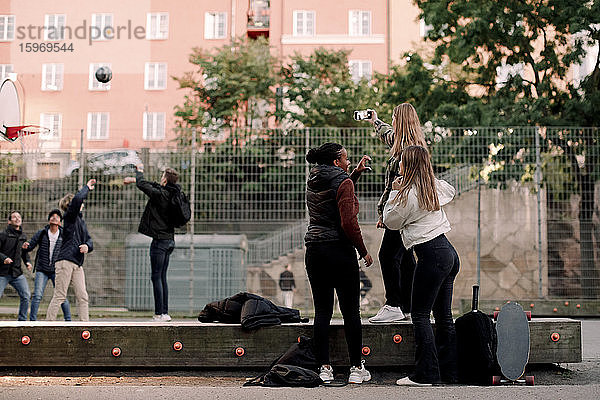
{"x": 512, "y": 328}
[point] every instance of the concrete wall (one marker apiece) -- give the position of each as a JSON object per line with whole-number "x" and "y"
{"x": 509, "y": 251}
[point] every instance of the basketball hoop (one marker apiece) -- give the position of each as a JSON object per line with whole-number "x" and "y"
{"x": 11, "y": 127}
{"x": 13, "y": 133}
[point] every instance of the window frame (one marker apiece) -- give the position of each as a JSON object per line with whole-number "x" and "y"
{"x": 304, "y": 13}
{"x": 155, "y": 128}
{"x": 155, "y": 65}
{"x": 58, "y": 81}
{"x": 153, "y": 30}
{"x": 9, "y": 19}
{"x": 360, "y": 63}
{"x": 103, "y": 25}
{"x": 360, "y": 19}
{"x": 90, "y": 117}
{"x": 93, "y": 83}
{"x": 61, "y": 34}
{"x": 56, "y": 122}
{"x": 212, "y": 35}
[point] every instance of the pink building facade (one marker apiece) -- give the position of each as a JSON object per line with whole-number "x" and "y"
{"x": 55, "y": 47}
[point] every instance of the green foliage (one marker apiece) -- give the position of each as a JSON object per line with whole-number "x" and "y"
{"x": 320, "y": 90}
{"x": 232, "y": 85}
{"x": 544, "y": 37}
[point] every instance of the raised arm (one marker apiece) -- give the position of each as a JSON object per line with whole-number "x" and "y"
{"x": 150, "y": 189}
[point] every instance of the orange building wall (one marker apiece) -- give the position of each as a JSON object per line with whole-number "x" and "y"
{"x": 127, "y": 100}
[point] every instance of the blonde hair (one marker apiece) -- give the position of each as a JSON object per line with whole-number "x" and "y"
{"x": 418, "y": 172}
{"x": 407, "y": 129}
{"x": 63, "y": 204}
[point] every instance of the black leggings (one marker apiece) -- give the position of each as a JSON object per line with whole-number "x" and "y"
{"x": 333, "y": 265}
{"x": 397, "y": 269}
{"x": 435, "y": 355}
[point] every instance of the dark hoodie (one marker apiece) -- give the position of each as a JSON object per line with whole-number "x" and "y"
{"x": 333, "y": 207}
{"x": 155, "y": 219}
{"x": 75, "y": 231}
{"x": 11, "y": 240}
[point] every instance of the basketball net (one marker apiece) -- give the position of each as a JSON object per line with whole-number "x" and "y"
{"x": 30, "y": 150}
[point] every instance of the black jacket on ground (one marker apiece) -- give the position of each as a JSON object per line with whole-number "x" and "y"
{"x": 75, "y": 231}
{"x": 42, "y": 257}
{"x": 155, "y": 219}
{"x": 251, "y": 310}
{"x": 11, "y": 241}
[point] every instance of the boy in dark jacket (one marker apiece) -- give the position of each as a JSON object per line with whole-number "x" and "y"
{"x": 155, "y": 223}
{"x": 69, "y": 262}
{"x": 11, "y": 242}
{"x": 49, "y": 240}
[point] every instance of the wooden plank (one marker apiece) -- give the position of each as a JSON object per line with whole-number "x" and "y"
{"x": 542, "y": 307}
{"x": 213, "y": 345}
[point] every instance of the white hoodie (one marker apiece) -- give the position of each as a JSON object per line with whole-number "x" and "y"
{"x": 417, "y": 225}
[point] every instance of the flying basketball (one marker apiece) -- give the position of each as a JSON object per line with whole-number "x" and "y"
{"x": 104, "y": 74}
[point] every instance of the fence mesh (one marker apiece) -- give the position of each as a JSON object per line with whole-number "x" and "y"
{"x": 252, "y": 182}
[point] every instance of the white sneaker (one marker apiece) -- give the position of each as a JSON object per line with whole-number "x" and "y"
{"x": 359, "y": 375}
{"x": 407, "y": 382}
{"x": 165, "y": 317}
{"x": 157, "y": 318}
{"x": 326, "y": 373}
{"x": 388, "y": 314}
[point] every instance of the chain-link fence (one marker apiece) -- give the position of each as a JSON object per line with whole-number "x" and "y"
{"x": 525, "y": 221}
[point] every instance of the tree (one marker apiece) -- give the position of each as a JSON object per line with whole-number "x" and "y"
{"x": 319, "y": 90}
{"x": 232, "y": 86}
{"x": 518, "y": 54}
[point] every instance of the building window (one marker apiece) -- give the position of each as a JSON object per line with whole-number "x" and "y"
{"x": 155, "y": 76}
{"x": 304, "y": 23}
{"x": 504, "y": 72}
{"x": 102, "y": 27}
{"x": 359, "y": 23}
{"x": 215, "y": 25}
{"x": 157, "y": 26}
{"x": 52, "y": 76}
{"x": 94, "y": 84}
{"x": 53, "y": 122}
{"x": 7, "y": 27}
{"x": 154, "y": 125}
{"x": 5, "y": 69}
{"x": 97, "y": 128}
{"x": 424, "y": 28}
{"x": 360, "y": 69}
{"x": 54, "y": 27}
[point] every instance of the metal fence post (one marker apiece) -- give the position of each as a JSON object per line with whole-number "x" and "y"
{"x": 192, "y": 202}
{"x": 479, "y": 228}
{"x": 80, "y": 180}
{"x": 538, "y": 179}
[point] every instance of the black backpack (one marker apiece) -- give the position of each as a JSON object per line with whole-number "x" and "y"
{"x": 287, "y": 375}
{"x": 180, "y": 212}
{"x": 295, "y": 367}
{"x": 476, "y": 344}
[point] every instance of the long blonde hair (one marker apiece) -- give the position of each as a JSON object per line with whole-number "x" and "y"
{"x": 407, "y": 129}
{"x": 418, "y": 172}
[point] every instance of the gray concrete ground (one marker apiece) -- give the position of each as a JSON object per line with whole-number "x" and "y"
{"x": 567, "y": 381}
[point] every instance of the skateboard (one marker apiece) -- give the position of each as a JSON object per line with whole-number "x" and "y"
{"x": 512, "y": 327}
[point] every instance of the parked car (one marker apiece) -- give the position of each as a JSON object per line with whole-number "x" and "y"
{"x": 108, "y": 163}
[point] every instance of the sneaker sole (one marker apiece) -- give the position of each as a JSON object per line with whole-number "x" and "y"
{"x": 387, "y": 321}
{"x": 365, "y": 379}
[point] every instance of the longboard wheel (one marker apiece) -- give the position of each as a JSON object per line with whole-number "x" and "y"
{"x": 496, "y": 315}
{"x": 495, "y": 380}
{"x": 528, "y": 313}
{"x": 529, "y": 380}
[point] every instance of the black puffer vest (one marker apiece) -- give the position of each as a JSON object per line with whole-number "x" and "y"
{"x": 321, "y": 192}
